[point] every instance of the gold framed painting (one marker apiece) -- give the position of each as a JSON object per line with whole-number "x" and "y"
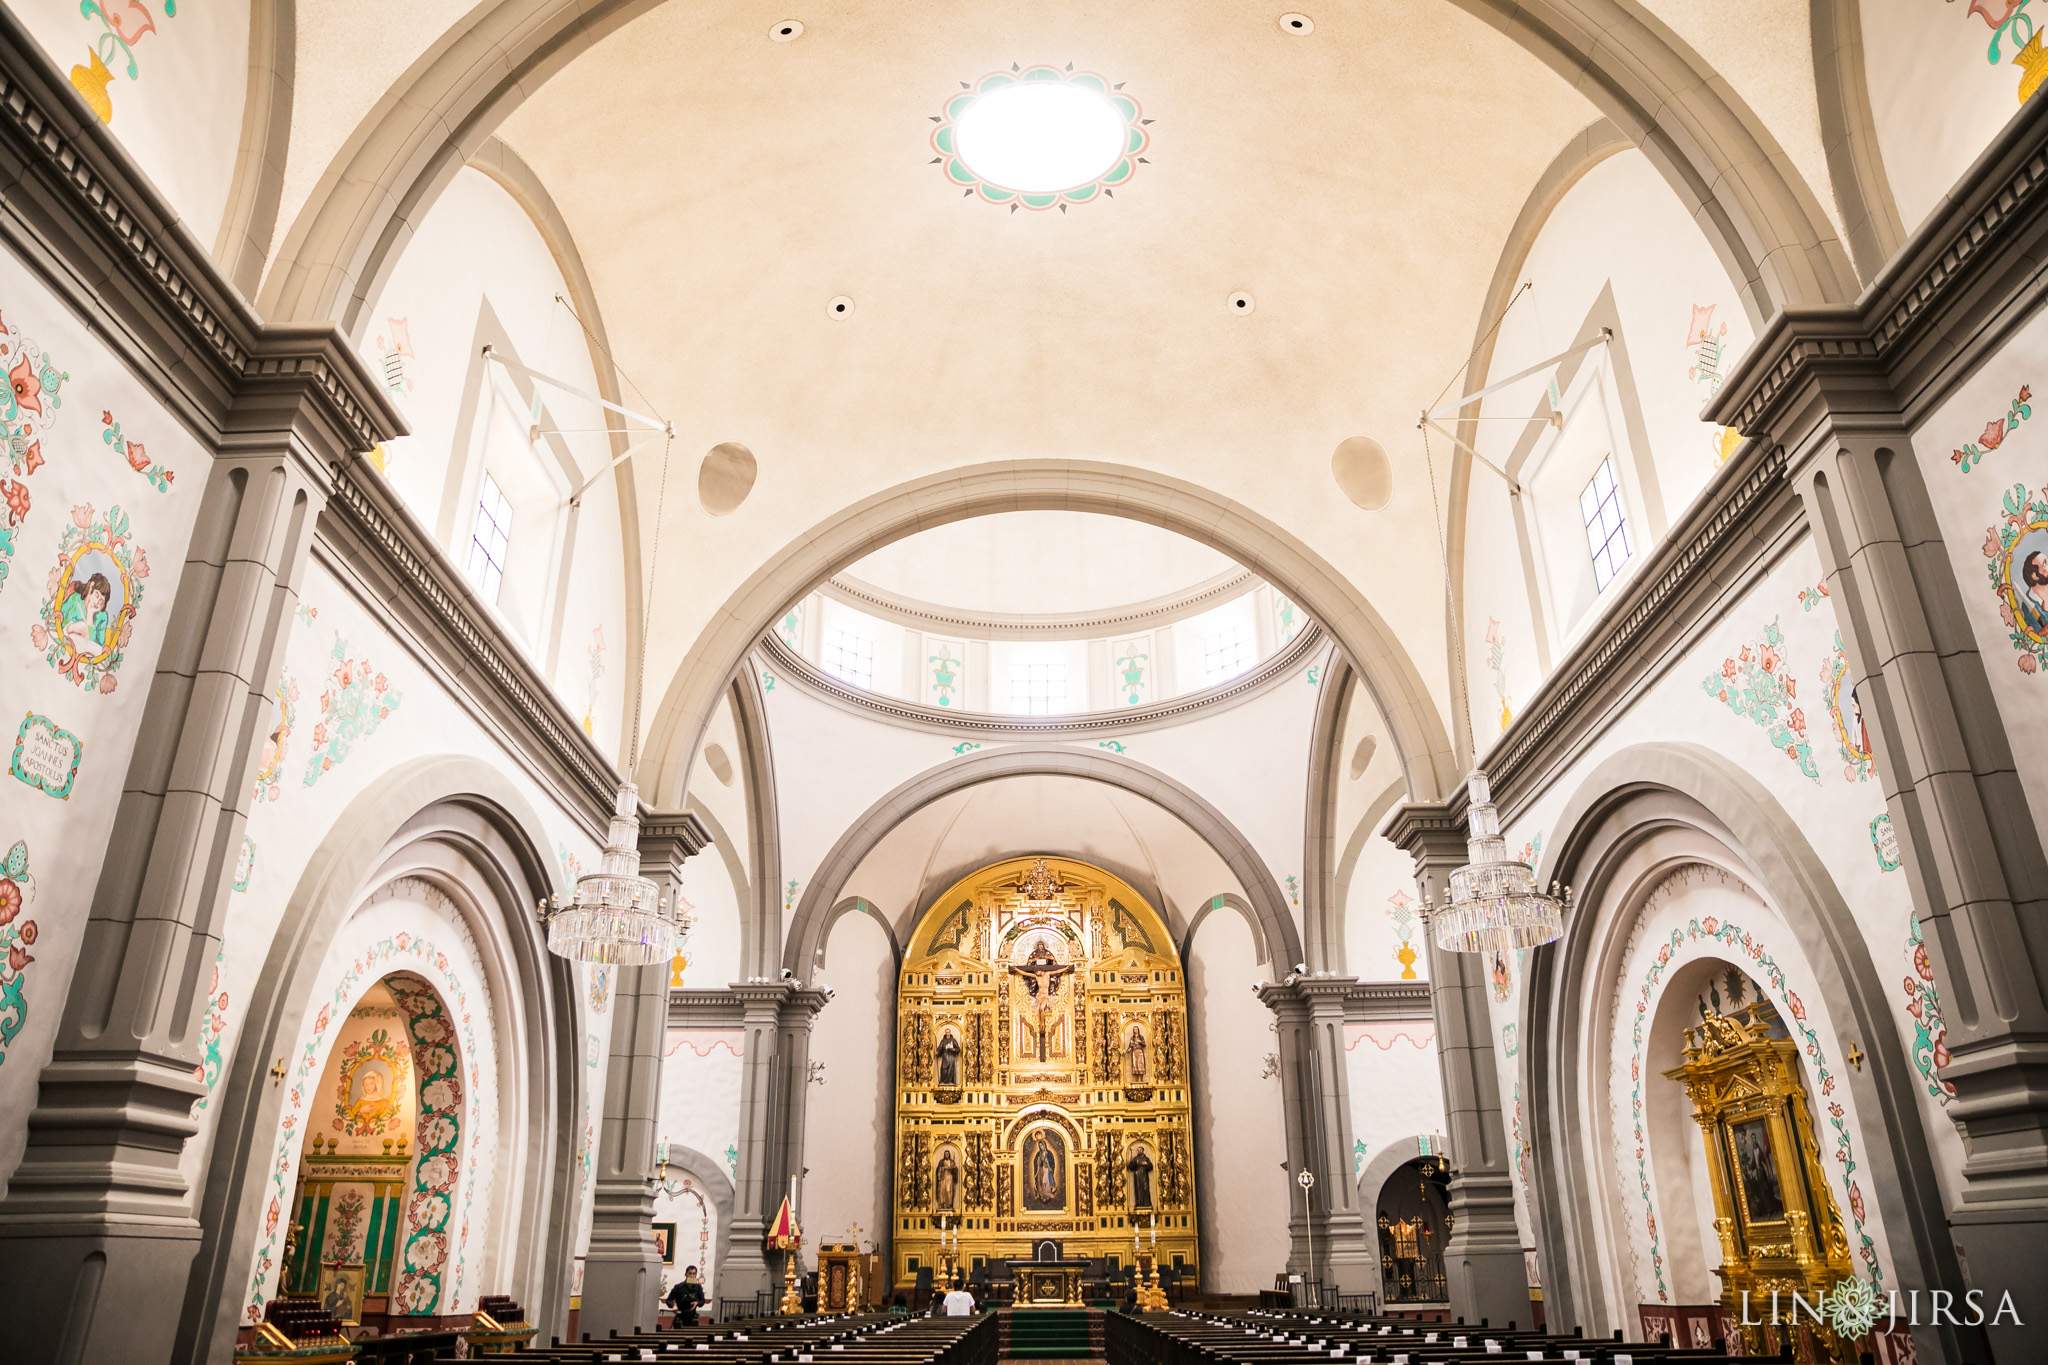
{"x": 341, "y": 1291}
{"x": 665, "y": 1242}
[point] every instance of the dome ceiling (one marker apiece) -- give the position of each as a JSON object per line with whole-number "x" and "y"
{"x": 1039, "y": 564}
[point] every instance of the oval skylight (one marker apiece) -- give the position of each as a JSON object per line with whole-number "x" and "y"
{"x": 1041, "y": 136}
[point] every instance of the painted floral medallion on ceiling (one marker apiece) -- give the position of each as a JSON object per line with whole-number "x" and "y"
{"x": 1105, "y": 150}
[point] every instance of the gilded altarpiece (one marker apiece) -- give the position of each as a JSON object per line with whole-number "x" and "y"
{"x": 1779, "y": 1229}
{"x": 1042, "y": 1075}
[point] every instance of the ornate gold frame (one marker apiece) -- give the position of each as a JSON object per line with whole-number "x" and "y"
{"x": 1751, "y": 1109}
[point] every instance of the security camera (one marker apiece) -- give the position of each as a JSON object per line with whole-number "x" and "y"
{"x": 788, "y": 975}
{"x": 1301, "y": 969}
{"x": 829, "y": 992}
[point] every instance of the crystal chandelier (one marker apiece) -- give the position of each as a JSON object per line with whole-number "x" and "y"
{"x": 616, "y": 916}
{"x": 1494, "y": 902}
{"x": 1039, "y": 888}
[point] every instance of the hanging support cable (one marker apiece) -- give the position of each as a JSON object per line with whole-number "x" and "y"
{"x": 1606, "y": 335}
{"x": 536, "y": 377}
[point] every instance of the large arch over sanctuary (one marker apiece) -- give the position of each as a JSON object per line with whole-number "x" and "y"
{"x": 680, "y": 676}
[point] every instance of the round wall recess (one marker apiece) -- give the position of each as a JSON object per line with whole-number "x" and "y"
{"x": 1361, "y": 757}
{"x": 726, "y": 477}
{"x": 720, "y": 765}
{"x": 1363, "y": 471}
{"x": 1297, "y": 23}
{"x": 841, "y": 306}
{"x": 1240, "y": 302}
{"x": 788, "y": 31}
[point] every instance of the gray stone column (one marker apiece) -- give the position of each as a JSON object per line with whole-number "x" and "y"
{"x": 1483, "y": 1255}
{"x": 743, "y": 1268}
{"x": 97, "y": 1228}
{"x": 797, "y": 1013}
{"x": 1326, "y": 1231}
{"x": 622, "y": 1269}
{"x": 1972, "y": 853}
{"x": 1326, "y": 1234}
{"x": 1304, "y": 1224}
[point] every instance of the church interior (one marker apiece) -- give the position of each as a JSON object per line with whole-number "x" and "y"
{"x": 1182, "y": 683}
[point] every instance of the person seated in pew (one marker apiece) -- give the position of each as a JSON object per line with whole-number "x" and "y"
{"x": 959, "y": 1303}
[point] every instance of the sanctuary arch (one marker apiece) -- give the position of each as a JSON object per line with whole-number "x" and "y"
{"x": 1042, "y": 1076}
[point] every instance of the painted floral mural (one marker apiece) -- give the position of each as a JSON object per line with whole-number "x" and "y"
{"x": 2016, "y": 551}
{"x": 945, "y": 139}
{"x": 17, "y": 936}
{"x": 28, "y": 408}
{"x": 1757, "y": 685}
{"x": 358, "y": 699}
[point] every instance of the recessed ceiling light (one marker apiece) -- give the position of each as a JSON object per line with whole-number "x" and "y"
{"x": 1241, "y": 302}
{"x": 789, "y": 30}
{"x": 839, "y": 307}
{"x": 1297, "y": 23}
{"x": 1041, "y": 136}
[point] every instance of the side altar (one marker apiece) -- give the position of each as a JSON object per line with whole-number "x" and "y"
{"x": 1047, "y": 1284}
{"x": 1042, "y": 1102}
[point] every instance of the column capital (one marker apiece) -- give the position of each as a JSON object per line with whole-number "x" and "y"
{"x": 667, "y": 840}
{"x": 1431, "y": 831}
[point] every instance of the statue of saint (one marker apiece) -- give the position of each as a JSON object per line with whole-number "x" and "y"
{"x": 945, "y": 1181}
{"x": 949, "y": 1060}
{"x": 1134, "y": 1055}
{"x": 1140, "y": 1167}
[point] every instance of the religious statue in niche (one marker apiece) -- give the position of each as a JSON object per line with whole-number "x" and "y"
{"x": 945, "y": 1181}
{"x": 1140, "y": 1168}
{"x": 1045, "y": 1171}
{"x": 949, "y": 1060}
{"x": 1041, "y": 1035}
{"x": 1135, "y": 1055}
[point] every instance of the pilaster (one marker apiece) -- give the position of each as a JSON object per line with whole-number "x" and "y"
{"x": 1483, "y": 1255}
{"x": 622, "y": 1268}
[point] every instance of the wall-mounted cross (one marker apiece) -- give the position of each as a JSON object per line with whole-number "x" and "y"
{"x": 1855, "y": 1055}
{"x": 277, "y": 1070}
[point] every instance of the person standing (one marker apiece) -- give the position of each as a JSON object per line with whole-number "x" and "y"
{"x": 685, "y": 1298}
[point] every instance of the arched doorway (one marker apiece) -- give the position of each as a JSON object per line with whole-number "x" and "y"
{"x": 379, "y": 1157}
{"x": 1414, "y": 1217}
{"x": 1042, "y": 1096}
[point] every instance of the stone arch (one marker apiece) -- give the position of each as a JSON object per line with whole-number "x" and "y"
{"x": 496, "y": 159}
{"x": 1380, "y": 1168}
{"x": 1727, "y": 819}
{"x": 712, "y": 1181}
{"x": 761, "y": 912}
{"x": 1766, "y": 224}
{"x": 861, "y": 904}
{"x": 1226, "y": 900}
{"x": 1848, "y": 135}
{"x": 410, "y": 820}
{"x": 806, "y": 931}
{"x": 250, "y": 221}
{"x": 1397, "y": 687}
{"x": 1593, "y": 144}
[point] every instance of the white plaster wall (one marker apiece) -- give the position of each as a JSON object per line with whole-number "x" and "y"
{"x": 1619, "y": 226}
{"x": 849, "y": 1125}
{"x": 1240, "y": 1142}
{"x": 1396, "y": 1086}
{"x": 700, "y": 1093}
{"x": 1938, "y": 94}
{"x": 178, "y": 112}
{"x": 80, "y": 478}
{"x": 1381, "y": 916}
{"x": 1971, "y": 508}
{"x": 476, "y": 248}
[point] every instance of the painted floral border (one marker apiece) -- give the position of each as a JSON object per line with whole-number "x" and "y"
{"x": 388, "y": 953}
